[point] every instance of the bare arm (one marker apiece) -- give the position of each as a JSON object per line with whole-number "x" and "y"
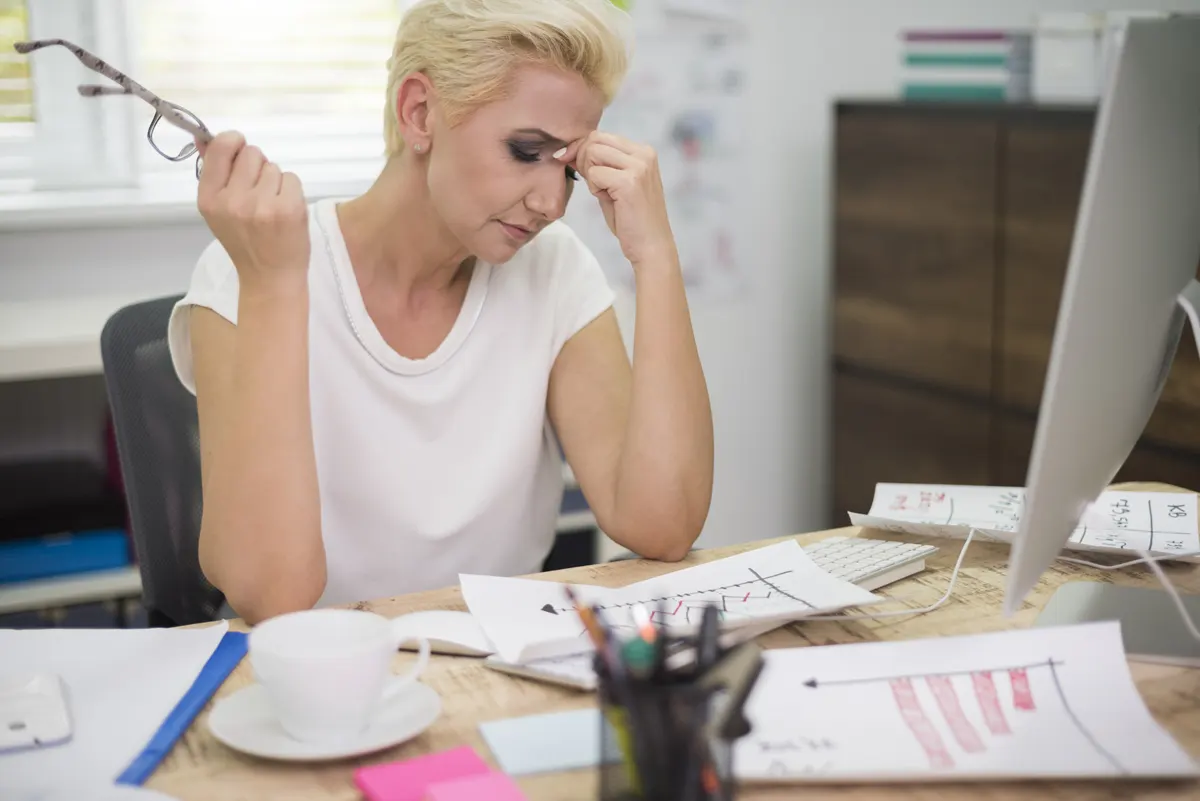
{"x": 260, "y": 537}
{"x": 640, "y": 439}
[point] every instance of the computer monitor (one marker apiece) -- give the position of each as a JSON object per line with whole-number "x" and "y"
{"x": 1130, "y": 287}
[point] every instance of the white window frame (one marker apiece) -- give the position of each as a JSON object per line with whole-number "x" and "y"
{"x": 80, "y": 143}
{"x": 95, "y": 143}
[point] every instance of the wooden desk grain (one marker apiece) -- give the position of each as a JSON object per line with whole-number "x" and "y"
{"x": 202, "y": 768}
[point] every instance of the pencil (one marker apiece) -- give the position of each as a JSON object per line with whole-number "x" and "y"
{"x": 588, "y": 616}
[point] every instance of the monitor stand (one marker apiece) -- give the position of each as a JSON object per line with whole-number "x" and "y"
{"x": 1151, "y": 626}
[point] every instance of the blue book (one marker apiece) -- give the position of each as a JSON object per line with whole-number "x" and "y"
{"x": 63, "y": 554}
{"x": 225, "y": 657}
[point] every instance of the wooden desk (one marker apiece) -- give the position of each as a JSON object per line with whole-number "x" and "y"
{"x": 202, "y": 768}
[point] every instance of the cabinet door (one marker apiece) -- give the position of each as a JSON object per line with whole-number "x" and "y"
{"x": 1147, "y": 462}
{"x": 1176, "y": 419}
{"x": 888, "y": 432}
{"x": 1044, "y": 167}
{"x": 914, "y": 245}
{"x": 1045, "y": 163}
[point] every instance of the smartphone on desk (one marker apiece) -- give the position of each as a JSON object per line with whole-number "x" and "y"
{"x": 33, "y": 712}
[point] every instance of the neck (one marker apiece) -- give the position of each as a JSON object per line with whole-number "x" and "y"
{"x": 395, "y": 236}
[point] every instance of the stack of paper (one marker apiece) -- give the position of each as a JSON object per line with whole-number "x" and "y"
{"x": 527, "y": 619}
{"x": 120, "y": 686}
{"x": 1119, "y": 521}
{"x": 1048, "y": 703}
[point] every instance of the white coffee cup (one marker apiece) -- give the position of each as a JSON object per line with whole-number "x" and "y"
{"x": 326, "y": 672}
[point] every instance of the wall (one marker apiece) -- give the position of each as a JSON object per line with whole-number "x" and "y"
{"x": 767, "y": 357}
{"x": 765, "y": 353}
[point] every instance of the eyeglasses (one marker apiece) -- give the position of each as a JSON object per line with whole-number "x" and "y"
{"x": 163, "y": 110}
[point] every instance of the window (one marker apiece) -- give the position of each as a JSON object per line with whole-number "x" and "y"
{"x": 303, "y": 79}
{"x": 16, "y": 93}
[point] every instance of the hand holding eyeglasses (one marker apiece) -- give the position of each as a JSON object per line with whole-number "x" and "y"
{"x": 257, "y": 212}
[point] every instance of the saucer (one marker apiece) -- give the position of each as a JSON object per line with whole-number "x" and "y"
{"x": 244, "y": 722}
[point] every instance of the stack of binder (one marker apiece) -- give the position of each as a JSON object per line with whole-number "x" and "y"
{"x": 966, "y": 65}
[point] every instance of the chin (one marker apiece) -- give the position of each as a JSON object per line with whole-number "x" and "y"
{"x": 497, "y": 252}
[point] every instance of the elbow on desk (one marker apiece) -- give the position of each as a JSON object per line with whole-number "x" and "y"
{"x": 276, "y": 596}
{"x": 255, "y": 597}
{"x": 668, "y": 538}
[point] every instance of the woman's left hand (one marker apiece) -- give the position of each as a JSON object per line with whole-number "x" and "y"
{"x": 623, "y": 175}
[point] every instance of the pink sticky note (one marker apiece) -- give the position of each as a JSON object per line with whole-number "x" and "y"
{"x": 409, "y": 780}
{"x": 493, "y": 786}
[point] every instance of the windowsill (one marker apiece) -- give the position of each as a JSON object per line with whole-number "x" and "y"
{"x": 160, "y": 200}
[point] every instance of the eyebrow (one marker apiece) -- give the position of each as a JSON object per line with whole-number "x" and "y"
{"x": 543, "y": 135}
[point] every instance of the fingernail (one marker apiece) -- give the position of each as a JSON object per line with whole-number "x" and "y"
{"x": 558, "y": 154}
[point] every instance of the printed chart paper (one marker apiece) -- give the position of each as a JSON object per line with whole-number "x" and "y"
{"x": 1047, "y": 703}
{"x": 530, "y": 619}
{"x": 1119, "y": 521}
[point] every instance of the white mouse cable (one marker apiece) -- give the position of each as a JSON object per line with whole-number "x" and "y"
{"x": 949, "y": 589}
{"x": 1151, "y": 560}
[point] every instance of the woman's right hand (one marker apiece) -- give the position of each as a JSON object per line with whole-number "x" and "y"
{"x": 256, "y": 211}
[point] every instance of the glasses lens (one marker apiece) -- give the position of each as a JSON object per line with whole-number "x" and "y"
{"x": 172, "y": 142}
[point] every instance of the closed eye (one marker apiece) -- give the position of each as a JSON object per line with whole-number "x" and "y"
{"x": 525, "y": 155}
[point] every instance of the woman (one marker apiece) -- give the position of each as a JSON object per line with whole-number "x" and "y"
{"x": 384, "y": 383}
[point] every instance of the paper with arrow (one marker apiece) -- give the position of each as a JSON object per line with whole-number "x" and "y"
{"x": 766, "y": 587}
{"x": 1045, "y": 703}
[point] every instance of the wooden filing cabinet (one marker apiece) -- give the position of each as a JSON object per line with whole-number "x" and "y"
{"x": 952, "y": 229}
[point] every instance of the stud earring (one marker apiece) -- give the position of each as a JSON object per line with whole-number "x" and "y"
{"x": 418, "y": 147}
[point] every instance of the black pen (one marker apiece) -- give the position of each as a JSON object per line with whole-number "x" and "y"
{"x": 708, "y": 645}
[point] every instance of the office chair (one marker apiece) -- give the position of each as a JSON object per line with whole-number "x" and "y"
{"x": 158, "y": 448}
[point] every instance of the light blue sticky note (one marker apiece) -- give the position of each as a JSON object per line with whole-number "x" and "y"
{"x": 546, "y": 743}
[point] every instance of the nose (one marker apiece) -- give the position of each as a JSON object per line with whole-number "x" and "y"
{"x": 548, "y": 197}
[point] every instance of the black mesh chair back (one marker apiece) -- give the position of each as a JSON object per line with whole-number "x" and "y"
{"x": 158, "y": 446}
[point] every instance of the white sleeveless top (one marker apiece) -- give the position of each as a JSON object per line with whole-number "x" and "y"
{"x": 435, "y": 466}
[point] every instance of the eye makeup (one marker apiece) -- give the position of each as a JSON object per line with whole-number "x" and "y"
{"x": 529, "y": 152}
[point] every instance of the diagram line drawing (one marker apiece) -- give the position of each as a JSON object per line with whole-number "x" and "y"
{"x": 709, "y": 592}
{"x": 814, "y": 682}
{"x": 1022, "y": 693}
{"x": 952, "y": 711}
{"x": 1150, "y": 510}
{"x": 919, "y": 724}
{"x": 1083, "y": 730}
{"x": 989, "y": 702}
{"x": 948, "y": 702}
{"x": 776, "y": 589}
{"x": 688, "y": 607}
{"x": 984, "y": 523}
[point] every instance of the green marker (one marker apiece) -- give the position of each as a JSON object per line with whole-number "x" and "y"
{"x": 638, "y": 656}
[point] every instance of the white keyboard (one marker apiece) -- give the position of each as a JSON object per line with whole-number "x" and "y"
{"x": 869, "y": 563}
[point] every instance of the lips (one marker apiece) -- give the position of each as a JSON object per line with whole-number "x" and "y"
{"x": 518, "y": 232}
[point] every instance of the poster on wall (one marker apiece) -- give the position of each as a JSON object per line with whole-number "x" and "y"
{"x": 683, "y": 97}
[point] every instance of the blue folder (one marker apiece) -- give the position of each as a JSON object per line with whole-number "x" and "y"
{"x": 224, "y": 659}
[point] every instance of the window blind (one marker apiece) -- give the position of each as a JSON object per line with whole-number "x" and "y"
{"x": 303, "y": 79}
{"x": 16, "y": 93}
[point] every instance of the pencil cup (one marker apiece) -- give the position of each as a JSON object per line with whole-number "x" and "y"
{"x": 655, "y": 746}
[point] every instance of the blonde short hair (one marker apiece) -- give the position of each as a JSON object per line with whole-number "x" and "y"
{"x": 468, "y": 48}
